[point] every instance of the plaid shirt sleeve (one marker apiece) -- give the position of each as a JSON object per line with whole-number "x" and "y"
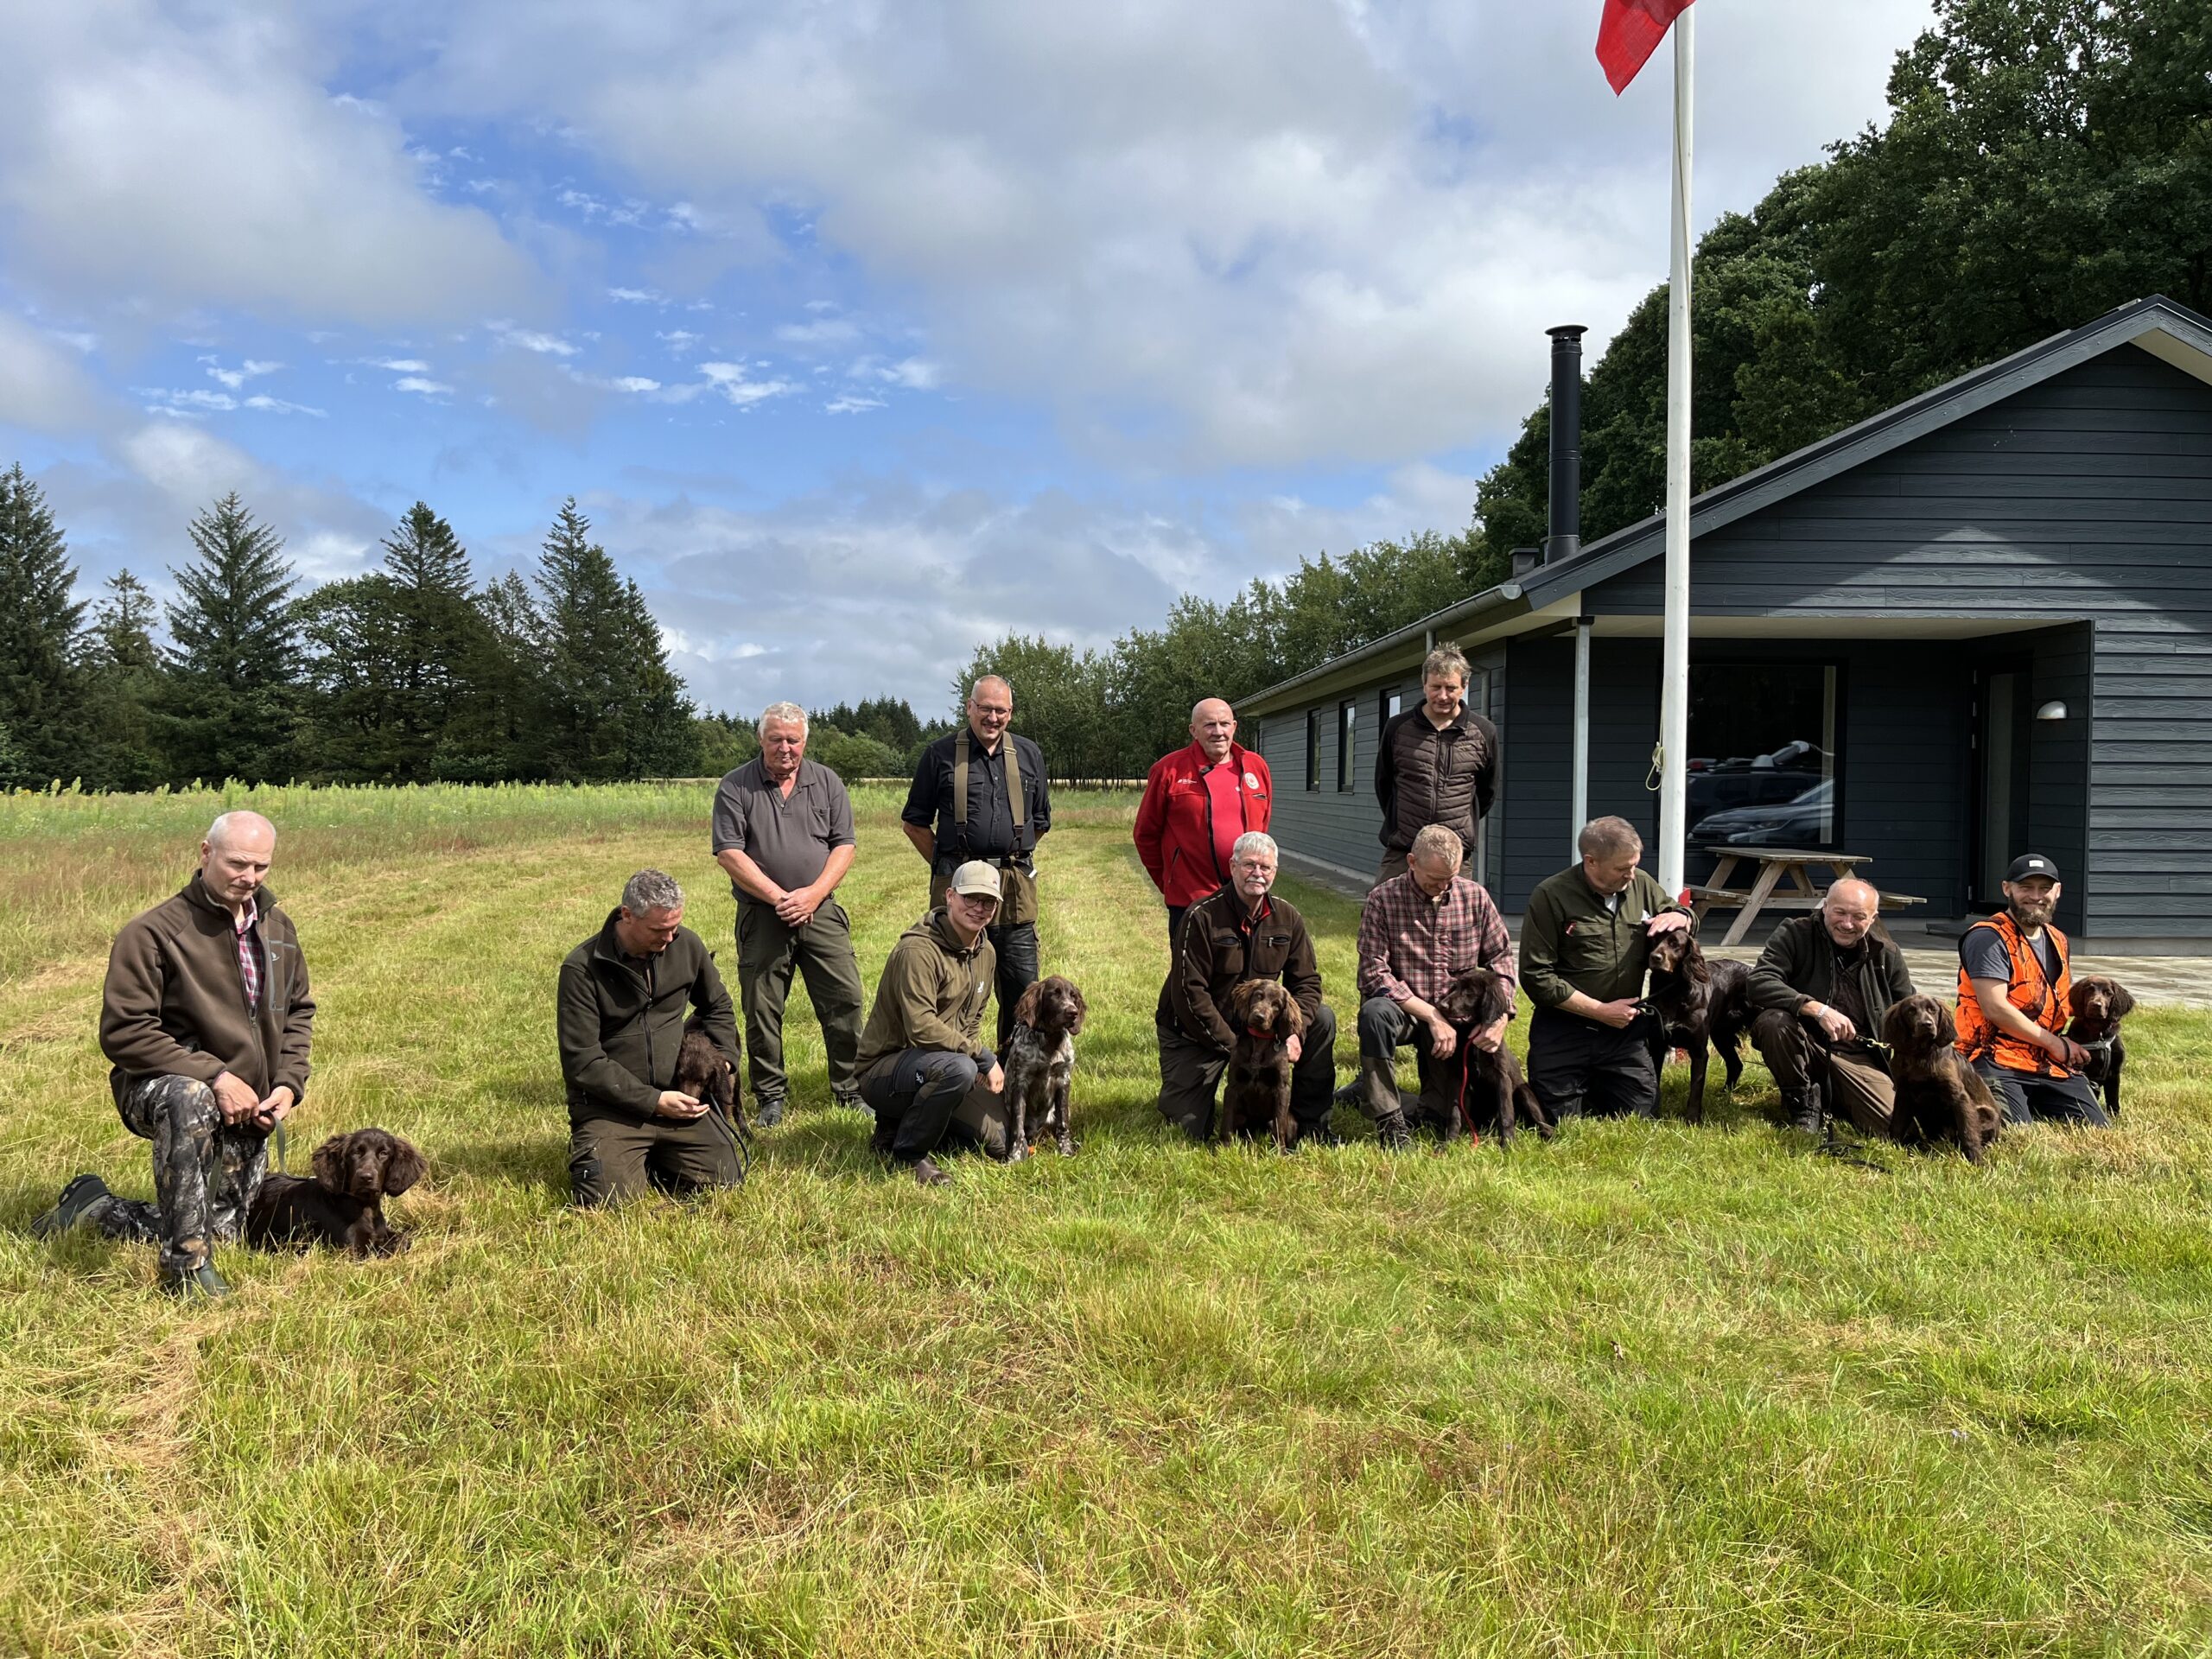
{"x": 1378, "y": 925}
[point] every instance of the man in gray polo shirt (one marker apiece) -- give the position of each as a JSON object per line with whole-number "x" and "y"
{"x": 784, "y": 830}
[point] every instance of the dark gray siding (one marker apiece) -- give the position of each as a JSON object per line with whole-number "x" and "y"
{"x": 2086, "y": 498}
{"x": 1340, "y": 828}
{"x": 1531, "y": 821}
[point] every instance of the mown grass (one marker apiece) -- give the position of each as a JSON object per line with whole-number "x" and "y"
{"x": 1646, "y": 1390}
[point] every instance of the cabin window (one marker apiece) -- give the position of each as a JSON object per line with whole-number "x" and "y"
{"x": 1763, "y": 755}
{"x": 1312, "y": 748}
{"x": 1387, "y": 707}
{"x": 1347, "y": 723}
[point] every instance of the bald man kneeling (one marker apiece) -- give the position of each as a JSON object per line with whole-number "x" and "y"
{"x": 205, "y": 1017}
{"x": 1822, "y": 987}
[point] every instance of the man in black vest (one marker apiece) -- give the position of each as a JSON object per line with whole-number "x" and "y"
{"x": 980, "y": 793}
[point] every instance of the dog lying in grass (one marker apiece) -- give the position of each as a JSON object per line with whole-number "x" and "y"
{"x": 1701, "y": 1005}
{"x": 1939, "y": 1096}
{"x": 1040, "y": 1063}
{"x": 1264, "y": 1017}
{"x": 1484, "y": 1089}
{"x": 2097, "y": 1006}
{"x": 342, "y": 1204}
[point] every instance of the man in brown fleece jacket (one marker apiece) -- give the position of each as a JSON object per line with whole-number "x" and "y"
{"x": 205, "y": 1017}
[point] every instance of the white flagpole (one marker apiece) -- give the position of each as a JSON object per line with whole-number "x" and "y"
{"x": 1674, "y": 665}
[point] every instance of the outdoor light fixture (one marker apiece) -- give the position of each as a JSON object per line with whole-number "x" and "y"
{"x": 2052, "y": 710}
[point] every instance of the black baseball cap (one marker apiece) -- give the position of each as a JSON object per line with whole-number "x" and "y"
{"x": 2029, "y": 864}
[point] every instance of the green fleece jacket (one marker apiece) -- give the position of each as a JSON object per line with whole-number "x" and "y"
{"x": 621, "y": 1021}
{"x": 932, "y": 996}
{"x": 174, "y": 1002}
{"x": 1571, "y": 942}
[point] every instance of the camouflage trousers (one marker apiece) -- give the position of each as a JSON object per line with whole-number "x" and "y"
{"x": 206, "y": 1172}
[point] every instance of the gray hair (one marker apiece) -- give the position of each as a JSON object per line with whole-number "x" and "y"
{"x": 787, "y": 713}
{"x": 219, "y": 833}
{"x": 1446, "y": 659}
{"x": 1253, "y": 840}
{"x": 1842, "y": 882}
{"x": 1438, "y": 843}
{"x": 982, "y": 680}
{"x": 651, "y": 890}
{"x": 1608, "y": 838}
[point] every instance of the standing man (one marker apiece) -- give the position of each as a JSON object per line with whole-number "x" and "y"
{"x": 1236, "y": 933}
{"x": 923, "y": 1067}
{"x": 1585, "y": 943}
{"x": 1197, "y": 802}
{"x": 205, "y": 1017}
{"x": 625, "y": 994}
{"x": 1418, "y": 932}
{"x": 783, "y": 828}
{"x": 980, "y": 793}
{"x": 1434, "y": 763}
{"x": 1823, "y": 986}
{"x": 2014, "y": 981}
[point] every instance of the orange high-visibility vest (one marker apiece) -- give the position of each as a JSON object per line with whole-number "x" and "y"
{"x": 2034, "y": 994}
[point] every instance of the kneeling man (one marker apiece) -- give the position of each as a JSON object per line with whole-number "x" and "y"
{"x": 1240, "y": 933}
{"x": 922, "y": 1065}
{"x": 625, "y": 995}
{"x": 2015, "y": 982}
{"x": 206, "y": 1016}
{"x": 1418, "y": 932}
{"x": 1823, "y": 986}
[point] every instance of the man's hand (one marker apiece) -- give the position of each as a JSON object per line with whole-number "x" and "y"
{"x": 995, "y": 1079}
{"x": 680, "y": 1107}
{"x": 1835, "y": 1024}
{"x": 235, "y": 1100}
{"x": 1443, "y": 1041}
{"x": 2067, "y": 1053}
{"x": 1294, "y": 1046}
{"x": 1619, "y": 1015}
{"x": 1666, "y": 921}
{"x": 797, "y": 907}
{"x": 275, "y": 1109}
{"x": 1491, "y": 1038}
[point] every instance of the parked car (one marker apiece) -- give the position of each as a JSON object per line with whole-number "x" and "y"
{"x": 1805, "y": 820}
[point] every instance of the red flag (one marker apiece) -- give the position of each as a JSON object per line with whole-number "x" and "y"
{"x": 1629, "y": 33}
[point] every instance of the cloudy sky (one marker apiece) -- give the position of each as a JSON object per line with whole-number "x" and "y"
{"x": 863, "y": 330}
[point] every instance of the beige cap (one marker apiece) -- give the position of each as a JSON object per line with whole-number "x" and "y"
{"x": 974, "y": 879}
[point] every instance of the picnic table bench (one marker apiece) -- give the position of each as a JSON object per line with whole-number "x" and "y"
{"x": 1776, "y": 865}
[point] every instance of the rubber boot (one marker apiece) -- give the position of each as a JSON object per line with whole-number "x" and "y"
{"x": 1802, "y": 1107}
{"x": 1378, "y": 1085}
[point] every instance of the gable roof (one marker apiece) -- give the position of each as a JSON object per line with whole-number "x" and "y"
{"x": 2164, "y": 327}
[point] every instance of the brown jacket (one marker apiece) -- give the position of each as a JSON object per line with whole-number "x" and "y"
{"x": 932, "y": 996}
{"x": 175, "y": 1000}
{"x": 1217, "y": 947}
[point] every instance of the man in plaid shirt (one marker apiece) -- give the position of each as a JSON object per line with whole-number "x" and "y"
{"x": 1417, "y": 933}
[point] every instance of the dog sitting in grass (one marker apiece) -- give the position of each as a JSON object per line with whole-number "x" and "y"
{"x": 2097, "y": 1006}
{"x": 1264, "y": 1017}
{"x": 1940, "y": 1099}
{"x": 1484, "y": 1089}
{"x": 1040, "y": 1062}
{"x": 342, "y": 1205}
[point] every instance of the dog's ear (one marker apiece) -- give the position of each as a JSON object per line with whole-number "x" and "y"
{"x": 1024, "y": 1011}
{"x": 403, "y": 1167}
{"x": 1240, "y": 999}
{"x": 329, "y": 1162}
{"x": 1289, "y": 1021}
{"x": 1947, "y": 1028}
{"x": 2122, "y": 1003}
{"x": 1082, "y": 1007}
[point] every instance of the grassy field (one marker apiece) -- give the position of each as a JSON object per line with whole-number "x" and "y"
{"x": 1646, "y": 1390}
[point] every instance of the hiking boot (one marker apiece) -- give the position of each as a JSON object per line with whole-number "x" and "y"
{"x": 200, "y": 1284}
{"x": 928, "y": 1174}
{"x": 1803, "y": 1111}
{"x": 768, "y": 1111}
{"x": 851, "y": 1103}
{"x": 69, "y": 1208}
{"x": 1390, "y": 1129}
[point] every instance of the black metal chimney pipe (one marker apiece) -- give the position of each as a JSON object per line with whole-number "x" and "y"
{"x": 1565, "y": 539}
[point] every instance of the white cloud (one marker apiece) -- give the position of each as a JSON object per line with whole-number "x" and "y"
{"x": 679, "y": 340}
{"x": 427, "y": 388}
{"x": 234, "y": 379}
{"x": 732, "y": 382}
{"x": 278, "y": 406}
{"x": 824, "y": 331}
{"x": 530, "y": 340}
{"x": 850, "y": 404}
{"x": 194, "y": 159}
{"x": 41, "y": 389}
{"x": 398, "y": 365}
{"x": 635, "y": 296}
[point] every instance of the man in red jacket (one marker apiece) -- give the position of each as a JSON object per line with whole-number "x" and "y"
{"x": 1197, "y": 802}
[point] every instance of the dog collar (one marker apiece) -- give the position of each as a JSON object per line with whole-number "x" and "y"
{"x": 1259, "y": 1036}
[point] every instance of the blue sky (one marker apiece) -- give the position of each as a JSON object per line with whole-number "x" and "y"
{"x": 863, "y": 330}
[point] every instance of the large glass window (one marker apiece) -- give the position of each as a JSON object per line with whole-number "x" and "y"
{"x": 1763, "y": 755}
{"x": 1347, "y": 720}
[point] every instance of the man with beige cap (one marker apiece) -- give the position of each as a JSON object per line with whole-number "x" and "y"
{"x": 924, "y": 1068}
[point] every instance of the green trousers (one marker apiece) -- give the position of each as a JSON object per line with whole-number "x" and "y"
{"x": 822, "y": 952}
{"x": 612, "y": 1158}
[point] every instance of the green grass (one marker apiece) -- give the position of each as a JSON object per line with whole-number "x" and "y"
{"x": 1646, "y": 1390}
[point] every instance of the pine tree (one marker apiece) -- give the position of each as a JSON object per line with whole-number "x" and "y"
{"x": 615, "y": 706}
{"x": 123, "y": 627}
{"x": 235, "y": 658}
{"x": 127, "y": 684}
{"x": 42, "y": 690}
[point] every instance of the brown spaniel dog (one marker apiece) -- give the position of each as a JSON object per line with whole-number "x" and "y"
{"x": 1263, "y": 1017}
{"x": 1940, "y": 1096}
{"x": 1702, "y": 1005}
{"x": 703, "y": 1074}
{"x": 342, "y": 1205}
{"x": 1040, "y": 1063}
{"x": 2097, "y": 1006}
{"x": 1485, "y": 1088}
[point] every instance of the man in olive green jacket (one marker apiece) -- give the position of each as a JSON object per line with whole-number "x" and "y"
{"x": 625, "y": 994}
{"x": 205, "y": 1017}
{"x": 924, "y": 1068}
{"x": 1585, "y": 943}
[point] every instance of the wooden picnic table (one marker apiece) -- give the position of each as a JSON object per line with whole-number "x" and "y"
{"x": 1776, "y": 865}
